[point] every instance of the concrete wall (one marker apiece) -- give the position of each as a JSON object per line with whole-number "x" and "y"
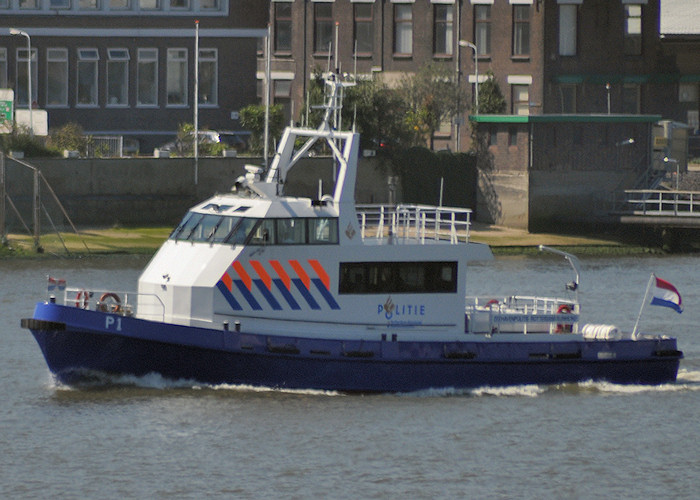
{"x": 155, "y": 191}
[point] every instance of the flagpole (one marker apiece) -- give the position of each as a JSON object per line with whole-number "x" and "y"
{"x": 641, "y": 309}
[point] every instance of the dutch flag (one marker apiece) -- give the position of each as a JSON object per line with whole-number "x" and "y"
{"x": 665, "y": 294}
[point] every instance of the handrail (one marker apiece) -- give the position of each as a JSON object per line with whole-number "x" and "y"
{"x": 663, "y": 202}
{"x": 90, "y": 300}
{"x": 421, "y": 224}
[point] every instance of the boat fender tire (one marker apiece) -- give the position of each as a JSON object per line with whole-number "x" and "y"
{"x": 114, "y": 306}
{"x": 561, "y": 328}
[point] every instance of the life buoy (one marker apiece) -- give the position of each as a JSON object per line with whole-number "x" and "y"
{"x": 561, "y": 328}
{"x": 82, "y": 299}
{"x": 110, "y": 302}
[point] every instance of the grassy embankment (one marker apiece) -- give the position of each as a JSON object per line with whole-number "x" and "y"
{"x": 146, "y": 241}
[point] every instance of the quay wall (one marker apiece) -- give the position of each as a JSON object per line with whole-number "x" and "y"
{"x": 155, "y": 191}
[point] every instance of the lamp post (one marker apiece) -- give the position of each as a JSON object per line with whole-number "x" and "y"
{"x": 15, "y": 31}
{"x": 464, "y": 43}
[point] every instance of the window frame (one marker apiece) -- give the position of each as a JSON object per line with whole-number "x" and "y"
{"x": 363, "y": 29}
{"x": 283, "y": 24}
{"x": 323, "y": 27}
{"x": 521, "y": 31}
{"x": 177, "y": 59}
{"x": 214, "y": 86}
{"x": 443, "y": 30}
{"x": 403, "y": 30}
{"x": 482, "y": 29}
{"x": 57, "y": 57}
{"x": 118, "y": 57}
{"x": 142, "y": 59}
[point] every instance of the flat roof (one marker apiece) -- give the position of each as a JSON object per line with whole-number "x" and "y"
{"x": 680, "y": 17}
{"x": 577, "y": 118}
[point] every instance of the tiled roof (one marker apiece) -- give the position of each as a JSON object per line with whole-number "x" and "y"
{"x": 680, "y": 17}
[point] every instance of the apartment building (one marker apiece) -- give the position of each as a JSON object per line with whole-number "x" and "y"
{"x": 548, "y": 56}
{"x": 127, "y": 67}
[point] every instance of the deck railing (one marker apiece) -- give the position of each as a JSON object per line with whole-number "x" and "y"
{"x": 663, "y": 203}
{"x": 414, "y": 223}
{"x": 123, "y": 303}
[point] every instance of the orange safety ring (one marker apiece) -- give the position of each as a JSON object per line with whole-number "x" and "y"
{"x": 82, "y": 299}
{"x": 564, "y": 309}
{"x": 114, "y": 306}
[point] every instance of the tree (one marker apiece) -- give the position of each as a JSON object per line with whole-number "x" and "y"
{"x": 431, "y": 96}
{"x": 253, "y": 119}
{"x": 491, "y": 100}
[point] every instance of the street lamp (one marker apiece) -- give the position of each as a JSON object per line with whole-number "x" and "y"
{"x": 668, "y": 160}
{"x": 464, "y": 43}
{"x": 15, "y": 31}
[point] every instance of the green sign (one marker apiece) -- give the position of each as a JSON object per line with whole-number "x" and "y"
{"x": 7, "y": 97}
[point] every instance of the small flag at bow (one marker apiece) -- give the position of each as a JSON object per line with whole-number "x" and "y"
{"x": 665, "y": 294}
{"x": 53, "y": 283}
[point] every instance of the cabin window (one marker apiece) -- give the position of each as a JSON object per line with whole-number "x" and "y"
{"x": 241, "y": 231}
{"x": 397, "y": 277}
{"x": 323, "y": 230}
{"x": 291, "y": 231}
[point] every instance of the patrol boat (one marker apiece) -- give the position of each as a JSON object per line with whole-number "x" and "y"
{"x": 257, "y": 287}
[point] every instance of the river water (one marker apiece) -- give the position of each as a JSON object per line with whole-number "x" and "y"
{"x": 152, "y": 438}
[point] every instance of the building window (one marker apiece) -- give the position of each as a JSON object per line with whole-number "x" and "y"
{"x": 403, "y": 29}
{"x": 283, "y": 26}
{"x": 119, "y": 4}
{"x": 521, "y": 30}
{"x": 323, "y": 27}
{"x": 568, "y": 25}
{"x": 29, "y": 4}
{"x": 149, "y": 4}
{"x": 567, "y": 95}
{"x": 4, "y": 4}
{"x": 21, "y": 81}
{"x": 88, "y": 4}
{"x": 631, "y": 93}
{"x": 209, "y": 5}
{"x": 282, "y": 94}
{"x": 147, "y": 77}
{"x": 3, "y": 68}
{"x": 520, "y": 99}
{"x": 180, "y": 4}
{"x": 364, "y": 28}
{"x": 633, "y": 29}
{"x": 442, "y": 31}
{"x": 493, "y": 136}
{"x": 59, "y": 4}
{"x": 117, "y": 77}
{"x": 482, "y": 29}
{"x": 176, "y": 85}
{"x": 687, "y": 92}
{"x": 56, "y": 77}
{"x": 87, "y": 77}
{"x": 208, "y": 77}
{"x": 512, "y": 136}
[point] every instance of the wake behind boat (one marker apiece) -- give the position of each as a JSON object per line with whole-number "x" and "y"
{"x": 261, "y": 288}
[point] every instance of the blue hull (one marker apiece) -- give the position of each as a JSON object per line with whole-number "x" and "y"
{"x": 76, "y": 343}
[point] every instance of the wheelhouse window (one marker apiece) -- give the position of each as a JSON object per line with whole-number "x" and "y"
{"x": 363, "y": 29}
{"x": 216, "y": 228}
{"x": 403, "y": 29}
{"x": 147, "y": 77}
{"x": 442, "y": 31}
{"x": 117, "y": 77}
{"x": 521, "y": 30}
{"x": 56, "y": 77}
{"x": 323, "y": 27}
{"x": 176, "y": 85}
{"x": 283, "y": 26}
{"x": 397, "y": 277}
{"x": 482, "y": 29}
